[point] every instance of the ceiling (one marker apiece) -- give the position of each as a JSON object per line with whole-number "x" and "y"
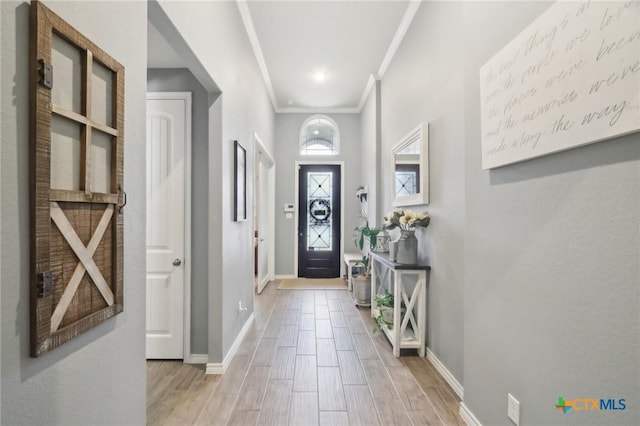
{"x": 294, "y": 41}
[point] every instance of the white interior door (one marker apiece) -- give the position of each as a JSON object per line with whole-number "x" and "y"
{"x": 168, "y": 128}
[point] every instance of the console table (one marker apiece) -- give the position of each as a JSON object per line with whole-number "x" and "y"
{"x": 408, "y": 284}
{"x": 351, "y": 259}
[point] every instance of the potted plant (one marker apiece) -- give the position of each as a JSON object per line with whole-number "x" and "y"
{"x": 365, "y": 233}
{"x": 384, "y": 302}
{"x": 362, "y": 282}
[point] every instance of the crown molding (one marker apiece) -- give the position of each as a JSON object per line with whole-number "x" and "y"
{"x": 409, "y": 14}
{"x": 367, "y": 90}
{"x": 257, "y": 50}
{"x": 318, "y": 110}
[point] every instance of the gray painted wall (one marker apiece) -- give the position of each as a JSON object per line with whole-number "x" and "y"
{"x": 213, "y": 32}
{"x": 535, "y": 265}
{"x": 99, "y": 377}
{"x": 287, "y": 152}
{"x": 181, "y": 80}
{"x": 416, "y": 89}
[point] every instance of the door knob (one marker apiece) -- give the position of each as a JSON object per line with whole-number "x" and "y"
{"x": 177, "y": 262}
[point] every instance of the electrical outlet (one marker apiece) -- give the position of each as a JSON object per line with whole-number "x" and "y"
{"x": 513, "y": 409}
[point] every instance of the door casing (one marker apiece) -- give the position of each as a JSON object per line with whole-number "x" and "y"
{"x": 260, "y": 149}
{"x": 187, "y": 358}
{"x": 297, "y": 204}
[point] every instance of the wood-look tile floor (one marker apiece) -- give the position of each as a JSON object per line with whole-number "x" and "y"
{"x": 310, "y": 358}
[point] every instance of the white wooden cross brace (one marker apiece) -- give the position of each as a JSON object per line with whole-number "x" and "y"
{"x": 383, "y": 273}
{"x": 410, "y": 304}
{"x": 86, "y": 264}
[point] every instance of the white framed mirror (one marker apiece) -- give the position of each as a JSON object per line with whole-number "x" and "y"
{"x": 410, "y": 165}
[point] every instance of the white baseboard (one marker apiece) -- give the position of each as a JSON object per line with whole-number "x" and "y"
{"x": 468, "y": 416}
{"x": 446, "y": 374}
{"x": 284, "y": 277}
{"x": 197, "y": 359}
{"x": 214, "y": 368}
{"x": 220, "y": 368}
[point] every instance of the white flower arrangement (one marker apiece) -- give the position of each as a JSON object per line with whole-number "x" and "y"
{"x": 406, "y": 220}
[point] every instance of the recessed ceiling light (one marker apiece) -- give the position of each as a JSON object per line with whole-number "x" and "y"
{"x": 319, "y": 76}
{"x": 316, "y": 132}
{"x": 290, "y": 102}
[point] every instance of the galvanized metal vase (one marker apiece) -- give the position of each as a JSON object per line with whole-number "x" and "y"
{"x": 407, "y": 249}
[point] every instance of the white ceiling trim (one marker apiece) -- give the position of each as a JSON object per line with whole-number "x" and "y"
{"x": 257, "y": 50}
{"x": 397, "y": 38}
{"x": 409, "y": 14}
{"x": 328, "y": 110}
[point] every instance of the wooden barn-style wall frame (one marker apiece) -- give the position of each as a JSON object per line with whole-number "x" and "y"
{"x": 76, "y": 221}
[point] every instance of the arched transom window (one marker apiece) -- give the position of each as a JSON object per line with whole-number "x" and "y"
{"x": 319, "y": 135}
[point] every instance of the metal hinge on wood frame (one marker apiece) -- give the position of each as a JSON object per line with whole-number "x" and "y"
{"x": 45, "y": 284}
{"x": 46, "y": 74}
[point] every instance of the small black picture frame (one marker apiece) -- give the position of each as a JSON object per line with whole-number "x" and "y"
{"x": 240, "y": 183}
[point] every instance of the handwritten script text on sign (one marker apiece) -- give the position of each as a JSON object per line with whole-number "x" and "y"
{"x": 571, "y": 78}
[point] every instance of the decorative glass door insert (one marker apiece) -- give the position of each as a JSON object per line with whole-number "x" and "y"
{"x": 319, "y": 229}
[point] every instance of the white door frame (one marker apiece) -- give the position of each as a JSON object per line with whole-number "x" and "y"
{"x": 297, "y": 204}
{"x": 260, "y": 149}
{"x": 186, "y": 347}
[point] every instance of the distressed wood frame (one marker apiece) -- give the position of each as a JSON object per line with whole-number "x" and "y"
{"x": 48, "y": 330}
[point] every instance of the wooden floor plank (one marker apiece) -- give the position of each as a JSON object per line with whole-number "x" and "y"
{"x": 425, "y": 418}
{"x": 335, "y": 305}
{"x": 291, "y": 317}
{"x": 304, "y": 409}
{"x": 378, "y": 379}
{"x": 231, "y": 380}
{"x": 322, "y": 312}
{"x": 305, "y": 378}
{"x": 330, "y": 390}
{"x": 253, "y": 389}
{"x": 273, "y": 328}
{"x": 307, "y": 342}
{"x": 275, "y": 408}
{"x": 265, "y": 352}
{"x": 308, "y": 307}
{"x": 288, "y": 336}
{"x": 343, "y": 340}
{"x": 327, "y": 355}
{"x": 323, "y": 329}
{"x": 364, "y": 346}
{"x": 350, "y": 368}
{"x": 307, "y": 321}
{"x": 360, "y": 406}
{"x": 391, "y": 412}
{"x": 181, "y": 394}
{"x": 334, "y": 418}
{"x": 355, "y": 324}
{"x": 410, "y": 392}
{"x": 218, "y": 409}
{"x": 284, "y": 363}
{"x": 321, "y": 298}
{"x": 337, "y": 319}
{"x": 243, "y": 418}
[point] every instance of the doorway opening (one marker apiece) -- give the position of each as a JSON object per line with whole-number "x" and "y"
{"x": 263, "y": 216}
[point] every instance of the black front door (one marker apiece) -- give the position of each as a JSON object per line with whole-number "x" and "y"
{"x": 319, "y": 221}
